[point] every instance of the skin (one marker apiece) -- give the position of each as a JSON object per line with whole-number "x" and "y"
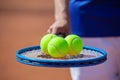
{"x": 61, "y": 24}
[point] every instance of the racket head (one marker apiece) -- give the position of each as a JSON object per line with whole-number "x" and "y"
{"x": 61, "y": 63}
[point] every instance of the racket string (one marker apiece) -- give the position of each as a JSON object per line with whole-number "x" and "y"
{"x": 88, "y": 57}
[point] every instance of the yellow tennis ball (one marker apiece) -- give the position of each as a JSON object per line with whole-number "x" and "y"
{"x": 44, "y": 42}
{"x": 58, "y": 47}
{"x": 75, "y": 44}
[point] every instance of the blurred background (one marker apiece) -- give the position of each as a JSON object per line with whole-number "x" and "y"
{"x": 22, "y": 24}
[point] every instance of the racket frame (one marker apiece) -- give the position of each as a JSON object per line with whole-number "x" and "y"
{"x": 59, "y": 63}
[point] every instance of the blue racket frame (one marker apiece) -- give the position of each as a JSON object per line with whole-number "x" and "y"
{"x": 58, "y": 63}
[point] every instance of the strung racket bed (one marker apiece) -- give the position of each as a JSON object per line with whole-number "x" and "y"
{"x": 33, "y": 56}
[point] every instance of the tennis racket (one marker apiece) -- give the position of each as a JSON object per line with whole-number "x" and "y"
{"x": 33, "y": 56}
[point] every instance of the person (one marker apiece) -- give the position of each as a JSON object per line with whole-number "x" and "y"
{"x": 97, "y": 22}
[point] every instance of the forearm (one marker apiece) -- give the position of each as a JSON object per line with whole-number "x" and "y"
{"x": 61, "y": 24}
{"x": 61, "y": 9}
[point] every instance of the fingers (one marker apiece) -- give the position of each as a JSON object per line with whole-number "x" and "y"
{"x": 58, "y": 31}
{"x": 59, "y": 28}
{"x": 49, "y": 30}
{"x": 53, "y": 29}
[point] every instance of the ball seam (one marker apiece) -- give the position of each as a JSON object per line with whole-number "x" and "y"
{"x": 71, "y": 45}
{"x": 56, "y": 48}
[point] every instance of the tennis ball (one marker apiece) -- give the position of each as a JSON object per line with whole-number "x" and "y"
{"x": 58, "y": 47}
{"x": 75, "y": 44}
{"x": 44, "y": 42}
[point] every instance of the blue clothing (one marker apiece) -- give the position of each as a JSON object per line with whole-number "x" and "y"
{"x": 95, "y": 18}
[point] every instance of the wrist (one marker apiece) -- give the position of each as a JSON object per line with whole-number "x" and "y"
{"x": 62, "y": 20}
{"x": 62, "y": 17}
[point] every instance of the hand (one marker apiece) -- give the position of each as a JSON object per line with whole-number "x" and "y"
{"x": 60, "y": 27}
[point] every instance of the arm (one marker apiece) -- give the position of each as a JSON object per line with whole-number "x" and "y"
{"x": 61, "y": 9}
{"x": 61, "y": 24}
